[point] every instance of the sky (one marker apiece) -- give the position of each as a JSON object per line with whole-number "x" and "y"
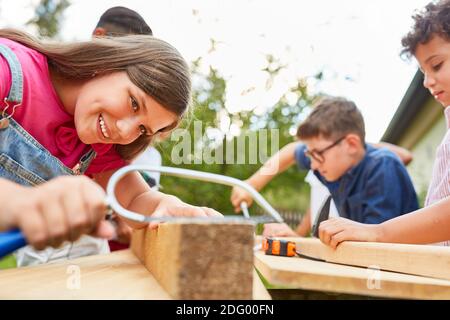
{"x": 355, "y": 42}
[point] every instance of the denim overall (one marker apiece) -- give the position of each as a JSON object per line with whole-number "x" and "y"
{"x": 25, "y": 161}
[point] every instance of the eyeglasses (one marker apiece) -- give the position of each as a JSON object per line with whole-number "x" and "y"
{"x": 318, "y": 154}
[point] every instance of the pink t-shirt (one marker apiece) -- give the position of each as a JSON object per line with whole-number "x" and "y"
{"x": 43, "y": 116}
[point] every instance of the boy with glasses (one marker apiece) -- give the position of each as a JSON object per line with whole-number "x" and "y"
{"x": 367, "y": 184}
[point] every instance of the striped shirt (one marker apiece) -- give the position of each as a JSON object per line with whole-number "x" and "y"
{"x": 440, "y": 180}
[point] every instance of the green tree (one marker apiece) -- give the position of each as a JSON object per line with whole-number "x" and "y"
{"x": 48, "y": 17}
{"x": 287, "y": 191}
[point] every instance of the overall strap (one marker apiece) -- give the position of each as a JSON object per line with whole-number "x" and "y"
{"x": 16, "y": 90}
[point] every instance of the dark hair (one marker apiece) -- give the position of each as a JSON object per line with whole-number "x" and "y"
{"x": 152, "y": 64}
{"x": 433, "y": 20}
{"x": 123, "y": 21}
{"x": 332, "y": 118}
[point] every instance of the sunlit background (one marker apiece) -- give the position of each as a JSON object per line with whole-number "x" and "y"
{"x": 354, "y": 44}
{"x": 260, "y": 64}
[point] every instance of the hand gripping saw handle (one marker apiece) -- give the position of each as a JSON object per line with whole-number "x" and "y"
{"x": 14, "y": 239}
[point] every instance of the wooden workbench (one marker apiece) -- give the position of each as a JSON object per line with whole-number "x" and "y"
{"x": 305, "y": 274}
{"x": 118, "y": 275}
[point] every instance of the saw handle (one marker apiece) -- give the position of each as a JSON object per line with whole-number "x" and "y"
{"x": 10, "y": 241}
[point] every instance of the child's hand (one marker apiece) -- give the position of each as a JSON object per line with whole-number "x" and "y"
{"x": 278, "y": 230}
{"x": 172, "y": 206}
{"x": 59, "y": 210}
{"x": 239, "y": 195}
{"x": 335, "y": 230}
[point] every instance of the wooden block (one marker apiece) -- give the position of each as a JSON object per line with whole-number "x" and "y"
{"x": 138, "y": 243}
{"x": 424, "y": 260}
{"x": 199, "y": 260}
{"x": 299, "y": 273}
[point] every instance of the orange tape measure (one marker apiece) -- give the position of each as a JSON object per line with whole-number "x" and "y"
{"x": 278, "y": 247}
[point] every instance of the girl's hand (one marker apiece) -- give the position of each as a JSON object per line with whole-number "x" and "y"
{"x": 335, "y": 230}
{"x": 239, "y": 195}
{"x": 172, "y": 206}
{"x": 278, "y": 230}
{"x": 59, "y": 210}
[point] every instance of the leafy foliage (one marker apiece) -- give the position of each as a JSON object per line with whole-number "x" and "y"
{"x": 48, "y": 17}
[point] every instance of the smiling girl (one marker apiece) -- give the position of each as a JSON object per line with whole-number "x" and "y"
{"x": 88, "y": 108}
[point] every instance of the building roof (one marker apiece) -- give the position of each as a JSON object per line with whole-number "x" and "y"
{"x": 413, "y": 101}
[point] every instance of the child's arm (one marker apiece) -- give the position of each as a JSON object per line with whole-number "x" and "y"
{"x": 61, "y": 209}
{"x": 423, "y": 226}
{"x": 276, "y": 164}
{"x": 283, "y": 230}
{"x": 278, "y": 230}
{"x": 134, "y": 194}
{"x": 304, "y": 228}
{"x": 405, "y": 155}
{"x": 387, "y": 192}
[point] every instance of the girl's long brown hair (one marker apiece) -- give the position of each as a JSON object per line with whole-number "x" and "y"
{"x": 152, "y": 64}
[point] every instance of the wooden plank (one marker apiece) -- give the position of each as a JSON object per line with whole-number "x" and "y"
{"x": 299, "y": 273}
{"x": 119, "y": 275}
{"x": 423, "y": 260}
{"x": 199, "y": 260}
{"x": 116, "y": 276}
{"x": 259, "y": 290}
